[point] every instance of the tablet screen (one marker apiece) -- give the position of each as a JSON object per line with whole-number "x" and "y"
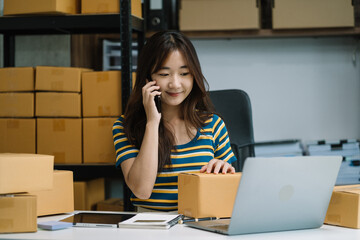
{"x": 98, "y": 218}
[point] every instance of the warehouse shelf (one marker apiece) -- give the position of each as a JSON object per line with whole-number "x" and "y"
{"x": 127, "y": 25}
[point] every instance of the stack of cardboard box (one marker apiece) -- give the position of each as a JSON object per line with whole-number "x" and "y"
{"x": 58, "y": 112}
{"x": 17, "y": 7}
{"x": 102, "y": 105}
{"x": 29, "y": 187}
{"x": 17, "y": 122}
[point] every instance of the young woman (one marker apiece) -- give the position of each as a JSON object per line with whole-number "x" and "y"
{"x": 153, "y": 146}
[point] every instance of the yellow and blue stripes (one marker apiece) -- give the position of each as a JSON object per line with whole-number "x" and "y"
{"x": 212, "y": 141}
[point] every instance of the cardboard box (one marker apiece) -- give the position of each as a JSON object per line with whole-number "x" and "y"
{"x": 16, "y": 104}
{"x": 55, "y": 104}
{"x": 112, "y": 204}
{"x": 17, "y": 79}
{"x": 88, "y": 194}
{"x": 290, "y": 14}
{"x": 344, "y": 207}
{"x": 63, "y": 79}
{"x": 219, "y": 15}
{"x": 14, "y": 7}
{"x": 109, "y": 6}
{"x": 98, "y": 143}
{"x": 60, "y": 137}
{"x": 17, "y": 135}
{"x": 207, "y": 195}
{"x": 101, "y": 94}
{"x": 18, "y": 214}
{"x": 58, "y": 200}
{"x": 25, "y": 172}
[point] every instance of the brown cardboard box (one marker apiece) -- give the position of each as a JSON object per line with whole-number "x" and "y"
{"x": 312, "y": 14}
{"x": 16, "y": 104}
{"x": 17, "y": 135}
{"x": 60, "y": 137}
{"x": 112, "y": 204}
{"x": 344, "y": 207}
{"x": 13, "y": 7}
{"x": 88, "y": 194}
{"x": 207, "y": 195}
{"x": 109, "y": 6}
{"x": 55, "y": 104}
{"x": 98, "y": 143}
{"x": 25, "y": 172}
{"x": 18, "y": 214}
{"x": 58, "y": 200}
{"x": 63, "y": 79}
{"x": 219, "y": 15}
{"x": 101, "y": 94}
{"x": 16, "y": 79}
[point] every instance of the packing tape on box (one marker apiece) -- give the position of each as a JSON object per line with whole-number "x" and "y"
{"x": 5, "y": 203}
{"x": 104, "y": 110}
{"x": 6, "y": 224}
{"x": 59, "y": 125}
{"x": 105, "y": 122}
{"x": 102, "y": 77}
{"x": 12, "y": 124}
{"x": 57, "y": 71}
{"x": 57, "y": 85}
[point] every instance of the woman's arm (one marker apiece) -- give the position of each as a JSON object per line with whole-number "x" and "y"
{"x": 140, "y": 172}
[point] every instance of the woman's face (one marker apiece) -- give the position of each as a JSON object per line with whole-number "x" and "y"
{"x": 174, "y": 79}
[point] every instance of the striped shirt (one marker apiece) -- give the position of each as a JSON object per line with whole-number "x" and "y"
{"x": 211, "y": 141}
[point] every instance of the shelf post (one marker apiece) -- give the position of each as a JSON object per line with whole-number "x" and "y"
{"x": 9, "y": 50}
{"x": 126, "y": 74}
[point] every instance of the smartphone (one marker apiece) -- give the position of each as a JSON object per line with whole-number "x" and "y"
{"x": 157, "y": 98}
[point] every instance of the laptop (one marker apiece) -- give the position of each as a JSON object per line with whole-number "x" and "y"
{"x": 279, "y": 194}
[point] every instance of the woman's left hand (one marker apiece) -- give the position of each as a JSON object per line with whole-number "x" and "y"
{"x": 217, "y": 166}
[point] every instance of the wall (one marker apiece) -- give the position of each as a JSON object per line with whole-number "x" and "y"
{"x": 51, "y": 50}
{"x": 300, "y": 88}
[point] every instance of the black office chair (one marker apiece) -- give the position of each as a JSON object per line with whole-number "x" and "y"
{"x": 234, "y": 107}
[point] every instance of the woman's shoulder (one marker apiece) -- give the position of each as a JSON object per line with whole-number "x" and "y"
{"x": 212, "y": 119}
{"x": 120, "y": 120}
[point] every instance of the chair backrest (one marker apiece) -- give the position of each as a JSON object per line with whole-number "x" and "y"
{"x": 234, "y": 107}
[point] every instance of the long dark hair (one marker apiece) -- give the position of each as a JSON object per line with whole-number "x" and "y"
{"x": 196, "y": 108}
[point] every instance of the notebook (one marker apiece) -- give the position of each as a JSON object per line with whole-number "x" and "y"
{"x": 279, "y": 194}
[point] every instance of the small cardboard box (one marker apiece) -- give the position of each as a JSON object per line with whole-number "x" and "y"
{"x": 98, "y": 143}
{"x": 62, "y": 79}
{"x": 17, "y": 79}
{"x": 219, "y": 15}
{"x": 25, "y": 172}
{"x": 18, "y": 214}
{"x": 207, "y": 195}
{"x": 55, "y": 104}
{"x": 88, "y": 194}
{"x": 290, "y": 14}
{"x": 109, "y": 6}
{"x": 58, "y": 200}
{"x": 14, "y": 7}
{"x": 17, "y": 135}
{"x": 344, "y": 207}
{"x": 16, "y": 104}
{"x": 101, "y": 94}
{"x": 60, "y": 137}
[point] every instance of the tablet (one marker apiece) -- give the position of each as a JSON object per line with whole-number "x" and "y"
{"x": 97, "y": 219}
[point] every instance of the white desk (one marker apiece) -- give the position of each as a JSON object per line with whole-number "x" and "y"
{"x": 179, "y": 232}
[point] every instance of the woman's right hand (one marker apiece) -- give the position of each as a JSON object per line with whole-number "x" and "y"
{"x": 149, "y": 91}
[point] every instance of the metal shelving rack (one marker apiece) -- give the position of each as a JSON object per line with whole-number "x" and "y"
{"x": 124, "y": 23}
